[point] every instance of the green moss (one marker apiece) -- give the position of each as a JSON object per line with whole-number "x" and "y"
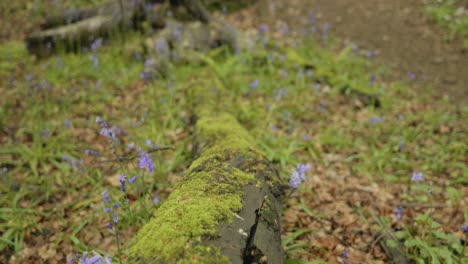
{"x": 222, "y": 132}
{"x": 211, "y": 193}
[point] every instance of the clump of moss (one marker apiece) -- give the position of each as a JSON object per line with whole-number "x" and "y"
{"x": 211, "y": 193}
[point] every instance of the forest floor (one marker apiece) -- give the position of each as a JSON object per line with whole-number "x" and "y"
{"x": 398, "y": 34}
{"x": 287, "y": 93}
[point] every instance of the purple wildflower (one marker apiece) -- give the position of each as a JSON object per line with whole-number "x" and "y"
{"x": 122, "y": 180}
{"x": 109, "y": 225}
{"x": 298, "y": 176}
{"x": 284, "y": 29}
{"x": 146, "y": 75}
{"x": 411, "y": 75}
{"x": 72, "y": 258}
{"x": 66, "y": 158}
{"x": 399, "y": 212}
{"x": 132, "y": 179}
{"x": 131, "y": 145}
{"x": 146, "y": 162}
{"x": 312, "y": 20}
{"x": 417, "y": 177}
{"x": 149, "y": 143}
{"x": 101, "y": 122}
{"x": 115, "y": 217}
{"x": 105, "y": 197}
{"x": 325, "y": 29}
{"x": 107, "y": 210}
{"x": 116, "y": 205}
{"x": 295, "y": 180}
{"x": 401, "y": 146}
{"x": 465, "y": 229}
{"x": 92, "y": 152}
{"x": 156, "y": 199}
{"x": 118, "y": 130}
{"x": 345, "y": 257}
{"x": 302, "y": 169}
{"x": 254, "y": 84}
{"x": 375, "y": 120}
{"x": 45, "y": 133}
{"x": 67, "y": 123}
{"x": 262, "y": 29}
{"x": 372, "y": 80}
{"x": 306, "y": 136}
{"x": 96, "y": 44}
{"x": 94, "y": 260}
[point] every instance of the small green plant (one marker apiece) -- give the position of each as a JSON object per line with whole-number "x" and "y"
{"x": 452, "y": 15}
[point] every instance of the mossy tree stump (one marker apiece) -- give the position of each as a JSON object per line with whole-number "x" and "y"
{"x": 227, "y": 208}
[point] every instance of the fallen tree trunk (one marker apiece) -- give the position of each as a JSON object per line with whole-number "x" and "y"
{"x": 73, "y": 30}
{"x": 226, "y": 210}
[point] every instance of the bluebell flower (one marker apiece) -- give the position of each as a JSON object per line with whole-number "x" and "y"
{"x": 131, "y": 145}
{"x": 417, "y": 177}
{"x": 302, "y": 169}
{"x": 109, "y": 225}
{"x": 325, "y": 29}
{"x": 375, "y": 120}
{"x": 345, "y": 257}
{"x": 156, "y": 199}
{"x": 93, "y": 260}
{"x": 122, "y": 180}
{"x": 254, "y": 84}
{"x": 115, "y": 218}
{"x": 116, "y": 205}
{"x": 107, "y": 210}
{"x": 96, "y": 44}
{"x": 66, "y": 159}
{"x": 465, "y": 229}
{"x": 105, "y": 197}
{"x": 263, "y": 29}
{"x": 72, "y": 258}
{"x": 298, "y": 175}
{"x": 401, "y": 146}
{"x": 101, "y": 122}
{"x": 132, "y": 179}
{"x": 149, "y": 143}
{"x": 295, "y": 180}
{"x": 284, "y": 29}
{"x": 45, "y": 133}
{"x": 67, "y": 123}
{"x": 399, "y": 212}
{"x": 146, "y": 162}
{"x": 92, "y": 152}
{"x": 372, "y": 80}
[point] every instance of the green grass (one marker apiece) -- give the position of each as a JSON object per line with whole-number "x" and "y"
{"x": 453, "y": 16}
{"x": 48, "y": 200}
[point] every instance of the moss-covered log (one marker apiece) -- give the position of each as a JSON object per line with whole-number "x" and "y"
{"x": 227, "y": 208}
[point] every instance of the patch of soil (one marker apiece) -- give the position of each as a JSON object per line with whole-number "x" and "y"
{"x": 402, "y": 34}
